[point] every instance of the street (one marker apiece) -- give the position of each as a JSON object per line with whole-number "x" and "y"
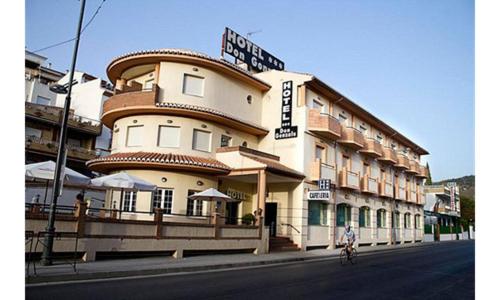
{"x": 441, "y": 271}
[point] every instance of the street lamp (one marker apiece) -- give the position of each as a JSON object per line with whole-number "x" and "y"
{"x": 61, "y": 158}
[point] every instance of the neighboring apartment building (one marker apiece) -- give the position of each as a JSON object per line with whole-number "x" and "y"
{"x": 187, "y": 122}
{"x": 87, "y": 138}
{"x": 442, "y": 208}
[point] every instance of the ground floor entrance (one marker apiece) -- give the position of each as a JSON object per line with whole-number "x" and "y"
{"x": 271, "y": 212}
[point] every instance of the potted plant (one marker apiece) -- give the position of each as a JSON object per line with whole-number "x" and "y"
{"x": 248, "y": 219}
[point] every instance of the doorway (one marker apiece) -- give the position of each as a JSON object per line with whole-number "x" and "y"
{"x": 270, "y": 217}
{"x": 232, "y": 213}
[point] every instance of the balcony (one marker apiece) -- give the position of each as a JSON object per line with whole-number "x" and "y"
{"x": 388, "y": 156}
{"x": 352, "y": 138}
{"x": 36, "y": 144}
{"x": 421, "y": 198}
{"x": 403, "y": 162}
{"x": 369, "y": 185}
{"x": 348, "y": 179}
{"x": 422, "y": 172}
{"x": 53, "y": 115}
{"x": 385, "y": 189}
{"x": 321, "y": 170}
{"x": 372, "y": 148}
{"x": 411, "y": 196}
{"x": 400, "y": 193}
{"x": 324, "y": 125}
{"x": 414, "y": 168}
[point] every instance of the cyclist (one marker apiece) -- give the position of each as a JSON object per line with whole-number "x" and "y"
{"x": 350, "y": 239}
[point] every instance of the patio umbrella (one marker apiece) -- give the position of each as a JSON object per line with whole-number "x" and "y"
{"x": 46, "y": 170}
{"x": 212, "y": 194}
{"x": 123, "y": 181}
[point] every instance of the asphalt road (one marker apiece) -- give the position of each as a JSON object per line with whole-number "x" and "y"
{"x": 441, "y": 271}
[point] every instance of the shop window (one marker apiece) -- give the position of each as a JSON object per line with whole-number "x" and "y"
{"x": 193, "y": 85}
{"x": 225, "y": 141}
{"x": 134, "y": 136}
{"x": 318, "y": 212}
{"x": 364, "y": 216}
{"x": 163, "y": 198}
{"x": 201, "y": 140}
{"x": 129, "y": 200}
{"x": 194, "y": 207}
{"x": 169, "y": 136}
{"x": 343, "y": 214}
{"x": 381, "y": 218}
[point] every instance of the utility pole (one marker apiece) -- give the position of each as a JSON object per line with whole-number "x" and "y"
{"x": 61, "y": 157}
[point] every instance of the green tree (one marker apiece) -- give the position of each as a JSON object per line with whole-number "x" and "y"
{"x": 429, "y": 178}
{"x": 467, "y": 210}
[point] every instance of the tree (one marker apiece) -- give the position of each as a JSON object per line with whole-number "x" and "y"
{"x": 429, "y": 178}
{"x": 467, "y": 210}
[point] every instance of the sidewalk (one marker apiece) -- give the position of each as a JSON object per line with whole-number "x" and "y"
{"x": 165, "y": 265}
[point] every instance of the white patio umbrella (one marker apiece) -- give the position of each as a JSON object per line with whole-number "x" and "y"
{"x": 46, "y": 170}
{"x": 123, "y": 181}
{"x": 211, "y": 194}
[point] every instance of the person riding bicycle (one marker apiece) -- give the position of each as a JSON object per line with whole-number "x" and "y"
{"x": 350, "y": 238}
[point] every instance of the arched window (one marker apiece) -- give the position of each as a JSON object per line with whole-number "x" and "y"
{"x": 364, "y": 217}
{"x": 407, "y": 220}
{"x": 381, "y": 218}
{"x": 395, "y": 219}
{"x": 343, "y": 214}
{"x": 417, "y": 222}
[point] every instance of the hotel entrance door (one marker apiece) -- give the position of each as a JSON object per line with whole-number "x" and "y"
{"x": 232, "y": 213}
{"x": 270, "y": 217}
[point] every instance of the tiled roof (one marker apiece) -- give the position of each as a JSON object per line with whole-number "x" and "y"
{"x": 274, "y": 165}
{"x": 187, "y": 52}
{"x": 162, "y": 158}
{"x": 207, "y": 110}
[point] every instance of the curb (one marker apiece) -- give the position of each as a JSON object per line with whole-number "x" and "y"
{"x": 121, "y": 274}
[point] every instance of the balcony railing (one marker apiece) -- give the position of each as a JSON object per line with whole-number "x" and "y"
{"x": 388, "y": 156}
{"x": 34, "y": 143}
{"x": 353, "y": 138}
{"x": 422, "y": 172}
{"x": 132, "y": 96}
{"x": 403, "y": 162}
{"x": 324, "y": 125}
{"x": 369, "y": 185}
{"x": 53, "y": 114}
{"x": 385, "y": 189}
{"x": 372, "y": 148}
{"x": 421, "y": 198}
{"x": 414, "y": 168}
{"x": 321, "y": 170}
{"x": 348, "y": 179}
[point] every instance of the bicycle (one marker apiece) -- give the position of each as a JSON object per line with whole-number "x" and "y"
{"x": 345, "y": 256}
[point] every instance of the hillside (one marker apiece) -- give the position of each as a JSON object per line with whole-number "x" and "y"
{"x": 466, "y": 183}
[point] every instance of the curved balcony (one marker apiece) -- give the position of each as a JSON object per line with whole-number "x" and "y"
{"x": 321, "y": 170}
{"x": 414, "y": 168}
{"x": 352, "y": 138}
{"x": 400, "y": 193}
{"x": 324, "y": 125}
{"x": 144, "y": 102}
{"x": 369, "y": 185}
{"x": 372, "y": 148}
{"x": 348, "y": 179}
{"x": 403, "y": 162}
{"x": 385, "y": 189}
{"x": 389, "y": 156}
{"x": 422, "y": 172}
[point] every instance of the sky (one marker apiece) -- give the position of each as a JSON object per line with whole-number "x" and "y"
{"x": 410, "y": 63}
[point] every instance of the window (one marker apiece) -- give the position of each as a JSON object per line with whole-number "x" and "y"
{"x": 168, "y": 136}
{"x": 148, "y": 84}
{"x": 320, "y": 106}
{"x": 343, "y": 119}
{"x": 380, "y": 138}
{"x": 345, "y": 162}
{"x": 201, "y": 140}
{"x": 319, "y": 153}
{"x": 129, "y": 200}
{"x": 225, "y": 141}
{"x": 381, "y": 218}
{"x": 194, "y": 207}
{"x": 134, "y": 136}
{"x": 163, "y": 199}
{"x": 362, "y": 129}
{"x": 42, "y": 100}
{"x": 364, "y": 217}
{"x": 33, "y": 132}
{"x": 318, "y": 212}
{"x": 74, "y": 142}
{"x": 343, "y": 214}
{"x": 395, "y": 220}
{"x": 407, "y": 220}
{"x": 393, "y": 146}
{"x": 417, "y": 221}
{"x": 366, "y": 169}
{"x": 193, "y": 85}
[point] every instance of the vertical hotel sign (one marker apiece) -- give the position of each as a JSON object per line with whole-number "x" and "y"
{"x": 286, "y": 130}
{"x": 452, "y": 186}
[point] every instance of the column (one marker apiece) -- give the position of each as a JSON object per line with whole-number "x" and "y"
{"x": 261, "y": 195}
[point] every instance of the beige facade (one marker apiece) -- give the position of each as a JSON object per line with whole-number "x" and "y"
{"x": 187, "y": 122}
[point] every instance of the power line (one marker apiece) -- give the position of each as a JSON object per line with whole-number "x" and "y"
{"x": 72, "y": 39}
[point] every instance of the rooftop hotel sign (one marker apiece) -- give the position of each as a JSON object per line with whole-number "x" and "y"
{"x": 249, "y": 53}
{"x": 286, "y": 130}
